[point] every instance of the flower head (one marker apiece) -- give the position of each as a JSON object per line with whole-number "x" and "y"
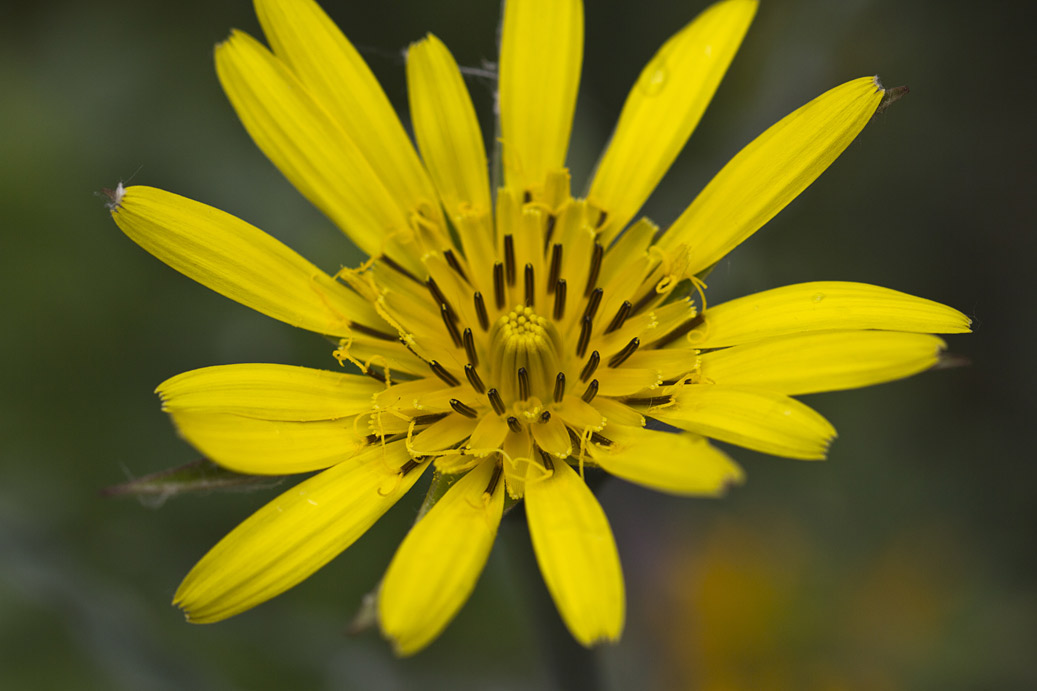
{"x": 511, "y": 339}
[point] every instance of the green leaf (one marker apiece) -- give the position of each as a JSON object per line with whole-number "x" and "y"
{"x": 200, "y": 476}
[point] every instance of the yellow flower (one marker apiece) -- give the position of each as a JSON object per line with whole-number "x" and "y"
{"x": 508, "y": 340}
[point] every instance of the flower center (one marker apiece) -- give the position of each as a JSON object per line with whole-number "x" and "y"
{"x": 525, "y": 355}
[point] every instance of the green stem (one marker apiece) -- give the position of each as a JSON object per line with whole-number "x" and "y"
{"x": 573, "y": 667}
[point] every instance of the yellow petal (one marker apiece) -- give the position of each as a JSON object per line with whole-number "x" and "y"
{"x": 310, "y": 148}
{"x": 760, "y": 420}
{"x": 663, "y": 109}
{"x": 827, "y": 361}
{"x": 443, "y": 435}
{"x": 769, "y": 173}
{"x": 553, "y": 437}
{"x": 324, "y": 60}
{"x": 270, "y": 447}
{"x": 679, "y": 463}
{"x": 540, "y": 57}
{"x": 577, "y": 555}
{"x": 294, "y": 535}
{"x": 438, "y": 563}
{"x": 446, "y": 128}
{"x": 488, "y": 435}
{"x": 270, "y": 392}
{"x": 239, "y": 261}
{"x": 822, "y": 305}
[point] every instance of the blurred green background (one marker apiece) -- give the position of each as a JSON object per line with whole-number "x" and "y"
{"x": 904, "y": 562}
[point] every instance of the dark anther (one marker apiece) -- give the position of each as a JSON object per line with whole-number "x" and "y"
{"x": 480, "y": 311}
{"x": 644, "y": 301}
{"x": 591, "y": 392}
{"x": 679, "y": 331}
{"x": 495, "y": 401}
{"x": 545, "y": 416}
{"x": 621, "y": 316}
{"x": 598, "y": 439}
{"x": 592, "y": 364}
{"x": 527, "y": 197}
{"x": 375, "y": 374}
{"x": 469, "y": 346}
{"x": 555, "y": 269}
{"x": 559, "y": 387}
{"x": 372, "y": 438}
{"x": 592, "y": 303}
{"x": 513, "y": 424}
{"x": 473, "y": 378}
{"x": 592, "y": 277}
{"x": 559, "y": 310}
{"x": 498, "y": 284}
{"x": 509, "y": 258}
{"x": 451, "y": 325}
{"x": 411, "y": 464}
{"x": 396, "y": 267}
{"x": 601, "y": 219}
{"x": 523, "y": 383}
{"x": 440, "y": 371}
{"x": 530, "y": 286}
{"x": 451, "y": 259}
{"x": 428, "y": 419}
{"x": 628, "y": 350}
{"x": 491, "y": 487}
{"x": 437, "y": 294}
{"x": 373, "y": 333}
{"x": 585, "y": 337}
{"x": 549, "y": 231}
{"x": 649, "y": 401}
{"x": 461, "y": 408}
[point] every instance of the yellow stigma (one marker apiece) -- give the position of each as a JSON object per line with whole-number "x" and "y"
{"x": 524, "y": 352}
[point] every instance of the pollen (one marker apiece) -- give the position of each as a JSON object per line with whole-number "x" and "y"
{"x": 526, "y": 351}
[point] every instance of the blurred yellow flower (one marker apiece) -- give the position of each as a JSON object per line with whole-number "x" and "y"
{"x": 510, "y": 340}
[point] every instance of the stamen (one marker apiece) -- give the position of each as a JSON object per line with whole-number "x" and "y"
{"x": 592, "y": 277}
{"x": 602, "y": 218}
{"x": 451, "y": 326}
{"x": 428, "y": 419}
{"x": 411, "y": 464}
{"x": 469, "y": 347}
{"x": 585, "y": 337}
{"x": 556, "y": 267}
{"x": 372, "y": 438}
{"x": 451, "y": 259}
{"x": 549, "y": 231}
{"x": 498, "y": 284}
{"x": 599, "y": 439}
{"x": 591, "y": 392}
{"x": 592, "y": 303}
{"x": 645, "y": 301}
{"x": 440, "y": 371}
{"x": 628, "y": 350}
{"x": 373, "y": 333}
{"x": 592, "y": 364}
{"x": 559, "y": 387}
{"x": 530, "y": 287}
{"x": 396, "y": 267}
{"x": 495, "y": 401}
{"x": 621, "y": 316}
{"x": 545, "y": 416}
{"x": 480, "y": 311}
{"x": 527, "y": 197}
{"x": 437, "y": 294}
{"x": 559, "y": 291}
{"x": 473, "y": 378}
{"x": 513, "y": 424}
{"x": 679, "y": 331}
{"x": 648, "y": 401}
{"x": 375, "y": 374}
{"x": 509, "y": 258}
{"x": 494, "y": 479}
{"x": 523, "y": 383}
{"x": 461, "y": 408}
{"x": 545, "y": 457}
